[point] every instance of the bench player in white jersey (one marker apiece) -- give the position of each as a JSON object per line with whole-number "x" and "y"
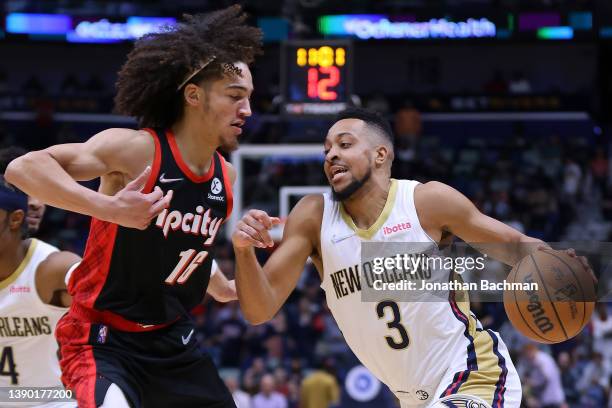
{"x": 428, "y": 353}
{"x": 33, "y": 297}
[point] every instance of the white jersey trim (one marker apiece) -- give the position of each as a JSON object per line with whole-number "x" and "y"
{"x": 24, "y": 263}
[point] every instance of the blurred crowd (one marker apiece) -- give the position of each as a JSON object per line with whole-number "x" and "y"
{"x": 536, "y": 183}
{"x": 93, "y": 93}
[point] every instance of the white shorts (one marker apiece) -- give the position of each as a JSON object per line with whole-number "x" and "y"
{"x": 484, "y": 371}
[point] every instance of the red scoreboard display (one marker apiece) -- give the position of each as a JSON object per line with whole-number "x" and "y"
{"x": 316, "y": 76}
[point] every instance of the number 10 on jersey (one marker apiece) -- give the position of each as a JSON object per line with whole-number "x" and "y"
{"x": 187, "y": 264}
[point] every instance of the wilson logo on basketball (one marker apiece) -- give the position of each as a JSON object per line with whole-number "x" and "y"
{"x": 396, "y": 228}
{"x": 198, "y": 224}
{"x": 537, "y": 311}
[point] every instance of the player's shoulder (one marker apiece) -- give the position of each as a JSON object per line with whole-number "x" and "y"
{"x": 43, "y": 246}
{"x": 311, "y": 204}
{"x": 119, "y": 133}
{"x": 439, "y": 204}
{"x": 431, "y": 199}
{"x": 231, "y": 171}
{"x": 128, "y": 149}
{"x": 433, "y": 193}
{"x": 308, "y": 212}
{"x": 432, "y": 188}
{"x": 51, "y": 272}
{"x": 59, "y": 256}
{"x": 38, "y": 251}
{"x": 50, "y": 254}
{"x": 122, "y": 141}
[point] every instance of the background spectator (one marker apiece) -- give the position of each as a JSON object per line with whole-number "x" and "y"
{"x": 267, "y": 396}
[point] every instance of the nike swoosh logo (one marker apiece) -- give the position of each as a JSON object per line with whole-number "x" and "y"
{"x": 162, "y": 179}
{"x": 335, "y": 239}
{"x": 186, "y": 340}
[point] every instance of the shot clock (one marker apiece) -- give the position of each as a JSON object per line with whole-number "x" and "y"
{"x": 316, "y": 76}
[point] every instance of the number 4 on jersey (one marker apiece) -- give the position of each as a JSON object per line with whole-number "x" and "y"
{"x": 186, "y": 266}
{"x": 8, "y": 366}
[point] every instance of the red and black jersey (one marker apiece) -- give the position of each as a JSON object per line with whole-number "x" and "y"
{"x": 132, "y": 279}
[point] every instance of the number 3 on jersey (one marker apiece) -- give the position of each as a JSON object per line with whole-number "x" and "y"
{"x": 188, "y": 263}
{"x": 395, "y": 324}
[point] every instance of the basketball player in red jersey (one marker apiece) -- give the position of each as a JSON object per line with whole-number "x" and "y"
{"x": 164, "y": 192}
{"x": 219, "y": 287}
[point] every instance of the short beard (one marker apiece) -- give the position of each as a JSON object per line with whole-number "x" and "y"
{"x": 228, "y": 147}
{"x": 351, "y": 188}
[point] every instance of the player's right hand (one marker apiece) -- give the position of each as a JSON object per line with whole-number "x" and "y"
{"x": 253, "y": 230}
{"x": 133, "y": 209}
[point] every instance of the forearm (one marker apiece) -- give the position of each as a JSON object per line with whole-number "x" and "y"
{"x": 256, "y": 296}
{"x": 39, "y": 175}
{"x": 511, "y": 250}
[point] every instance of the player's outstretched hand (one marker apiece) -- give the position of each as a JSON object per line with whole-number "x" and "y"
{"x": 583, "y": 260}
{"x": 134, "y": 209}
{"x": 253, "y": 230}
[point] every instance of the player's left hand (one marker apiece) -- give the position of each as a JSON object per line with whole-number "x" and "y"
{"x": 253, "y": 230}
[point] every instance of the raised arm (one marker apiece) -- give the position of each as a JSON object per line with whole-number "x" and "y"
{"x": 262, "y": 291}
{"x": 442, "y": 208}
{"x": 119, "y": 154}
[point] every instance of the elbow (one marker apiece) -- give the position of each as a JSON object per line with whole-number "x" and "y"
{"x": 19, "y": 167}
{"x": 226, "y": 296}
{"x": 13, "y": 170}
{"x": 256, "y": 318}
{"x": 254, "y": 321}
{"x": 225, "y": 293}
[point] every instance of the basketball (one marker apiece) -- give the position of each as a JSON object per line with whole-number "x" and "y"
{"x": 561, "y": 305}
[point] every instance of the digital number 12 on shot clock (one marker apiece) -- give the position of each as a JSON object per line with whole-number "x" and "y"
{"x": 324, "y": 73}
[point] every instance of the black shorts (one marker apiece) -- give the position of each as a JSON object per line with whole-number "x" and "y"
{"x": 161, "y": 368}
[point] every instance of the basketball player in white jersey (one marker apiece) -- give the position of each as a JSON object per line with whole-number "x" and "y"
{"x": 33, "y": 297}
{"x": 429, "y": 353}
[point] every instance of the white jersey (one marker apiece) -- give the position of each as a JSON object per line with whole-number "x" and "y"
{"x": 28, "y": 349}
{"x": 413, "y": 347}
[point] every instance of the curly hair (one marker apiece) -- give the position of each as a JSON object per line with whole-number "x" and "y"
{"x": 148, "y": 83}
